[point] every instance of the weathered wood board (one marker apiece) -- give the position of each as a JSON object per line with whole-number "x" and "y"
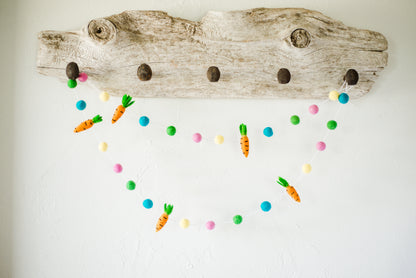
{"x": 248, "y": 47}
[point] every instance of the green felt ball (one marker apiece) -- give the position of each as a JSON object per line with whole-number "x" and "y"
{"x": 331, "y": 124}
{"x": 131, "y": 185}
{"x": 237, "y": 219}
{"x": 295, "y": 119}
{"x": 72, "y": 83}
{"x": 171, "y": 130}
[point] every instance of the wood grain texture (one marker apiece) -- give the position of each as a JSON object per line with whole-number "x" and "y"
{"x": 249, "y": 48}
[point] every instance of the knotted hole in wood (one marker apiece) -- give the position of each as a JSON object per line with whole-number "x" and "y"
{"x": 213, "y": 74}
{"x": 283, "y": 76}
{"x": 72, "y": 70}
{"x": 300, "y": 38}
{"x": 351, "y": 77}
{"x": 144, "y": 72}
{"x": 102, "y": 30}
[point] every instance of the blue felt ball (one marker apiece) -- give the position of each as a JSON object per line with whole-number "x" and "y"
{"x": 148, "y": 203}
{"x": 268, "y": 131}
{"x": 81, "y": 105}
{"x": 266, "y": 206}
{"x": 144, "y": 121}
{"x": 343, "y": 98}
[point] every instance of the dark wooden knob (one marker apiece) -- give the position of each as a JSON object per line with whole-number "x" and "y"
{"x": 144, "y": 72}
{"x": 283, "y": 76}
{"x": 72, "y": 70}
{"x": 351, "y": 77}
{"x": 213, "y": 74}
{"x": 300, "y": 38}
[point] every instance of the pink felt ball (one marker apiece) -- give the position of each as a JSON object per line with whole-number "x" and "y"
{"x": 197, "y": 137}
{"x": 313, "y": 109}
{"x": 117, "y": 168}
{"x": 320, "y": 146}
{"x": 210, "y": 225}
{"x": 82, "y": 77}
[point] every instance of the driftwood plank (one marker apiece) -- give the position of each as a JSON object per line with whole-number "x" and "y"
{"x": 248, "y": 47}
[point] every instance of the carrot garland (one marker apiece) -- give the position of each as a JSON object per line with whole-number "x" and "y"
{"x": 125, "y": 102}
{"x": 164, "y": 217}
{"x": 88, "y": 124}
{"x": 244, "y": 140}
{"x": 289, "y": 189}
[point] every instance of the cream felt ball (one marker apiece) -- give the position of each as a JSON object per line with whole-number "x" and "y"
{"x": 333, "y": 95}
{"x": 219, "y": 139}
{"x": 306, "y": 168}
{"x": 104, "y": 96}
{"x": 103, "y": 146}
{"x": 184, "y": 223}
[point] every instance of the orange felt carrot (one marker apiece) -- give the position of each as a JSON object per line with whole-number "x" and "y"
{"x": 88, "y": 124}
{"x": 289, "y": 189}
{"x": 244, "y": 140}
{"x": 164, "y": 217}
{"x": 125, "y": 102}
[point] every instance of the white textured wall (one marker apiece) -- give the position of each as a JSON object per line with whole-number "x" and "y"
{"x": 63, "y": 213}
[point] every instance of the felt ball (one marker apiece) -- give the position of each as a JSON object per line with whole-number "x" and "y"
{"x": 131, "y": 185}
{"x": 103, "y": 146}
{"x": 82, "y": 77}
{"x": 184, "y": 223}
{"x": 313, "y": 109}
{"x": 266, "y": 206}
{"x": 81, "y": 105}
{"x": 343, "y": 98}
{"x": 104, "y": 96}
{"x": 72, "y": 83}
{"x": 148, "y": 204}
{"x": 196, "y": 137}
{"x": 144, "y": 121}
{"x": 268, "y": 132}
{"x": 306, "y": 168}
{"x": 210, "y": 225}
{"x": 237, "y": 219}
{"x": 295, "y": 119}
{"x": 331, "y": 124}
{"x": 219, "y": 139}
{"x": 171, "y": 130}
{"x": 320, "y": 146}
{"x": 333, "y": 95}
{"x": 117, "y": 168}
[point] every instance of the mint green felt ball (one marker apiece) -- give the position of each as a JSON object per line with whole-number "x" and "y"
{"x": 295, "y": 119}
{"x": 171, "y": 130}
{"x": 72, "y": 83}
{"x": 331, "y": 125}
{"x": 237, "y": 219}
{"x": 131, "y": 185}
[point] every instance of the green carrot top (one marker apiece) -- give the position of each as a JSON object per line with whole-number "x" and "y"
{"x": 243, "y": 130}
{"x": 168, "y": 209}
{"x": 283, "y": 182}
{"x": 97, "y": 119}
{"x": 126, "y": 101}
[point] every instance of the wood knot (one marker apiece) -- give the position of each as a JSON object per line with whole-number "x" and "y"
{"x": 213, "y": 74}
{"x": 300, "y": 38}
{"x": 102, "y": 30}
{"x": 72, "y": 70}
{"x": 283, "y": 76}
{"x": 144, "y": 72}
{"x": 351, "y": 77}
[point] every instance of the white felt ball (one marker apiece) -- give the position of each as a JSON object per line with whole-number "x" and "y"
{"x": 104, "y": 96}
{"x": 219, "y": 139}
{"x": 102, "y": 146}
{"x": 306, "y": 168}
{"x": 184, "y": 223}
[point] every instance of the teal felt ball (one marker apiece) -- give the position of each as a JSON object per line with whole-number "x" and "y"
{"x": 148, "y": 203}
{"x": 72, "y": 83}
{"x": 295, "y": 119}
{"x": 343, "y": 98}
{"x": 266, "y": 206}
{"x": 144, "y": 121}
{"x": 81, "y": 105}
{"x": 268, "y": 132}
{"x": 331, "y": 125}
{"x": 131, "y": 185}
{"x": 171, "y": 130}
{"x": 237, "y": 219}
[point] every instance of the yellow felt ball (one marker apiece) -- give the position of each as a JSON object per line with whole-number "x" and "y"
{"x": 184, "y": 223}
{"x": 102, "y": 146}
{"x": 104, "y": 96}
{"x": 333, "y": 95}
{"x": 219, "y": 139}
{"x": 306, "y": 168}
